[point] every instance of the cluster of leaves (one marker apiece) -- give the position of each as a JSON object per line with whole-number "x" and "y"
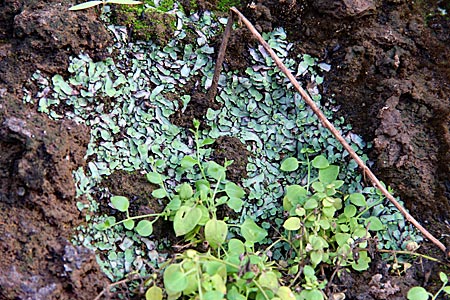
{"x": 239, "y": 273}
{"x": 323, "y": 225}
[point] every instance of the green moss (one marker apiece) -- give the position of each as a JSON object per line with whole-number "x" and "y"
{"x": 193, "y": 5}
{"x": 155, "y": 23}
{"x": 166, "y": 5}
{"x": 225, "y": 5}
{"x": 147, "y": 23}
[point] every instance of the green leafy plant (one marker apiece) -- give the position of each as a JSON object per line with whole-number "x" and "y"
{"x": 238, "y": 273}
{"x": 325, "y": 226}
{"x": 191, "y": 208}
{"x": 90, "y": 4}
{"x": 419, "y": 293}
{"x": 312, "y": 288}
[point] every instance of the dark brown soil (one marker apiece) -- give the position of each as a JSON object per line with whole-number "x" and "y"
{"x": 37, "y": 157}
{"x": 390, "y": 75}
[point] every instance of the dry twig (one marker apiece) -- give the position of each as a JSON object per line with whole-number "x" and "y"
{"x": 220, "y": 58}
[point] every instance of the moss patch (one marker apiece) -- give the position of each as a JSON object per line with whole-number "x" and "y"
{"x": 147, "y": 23}
{"x": 190, "y": 6}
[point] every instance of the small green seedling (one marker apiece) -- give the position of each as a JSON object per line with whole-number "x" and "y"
{"x": 90, "y": 4}
{"x": 419, "y": 293}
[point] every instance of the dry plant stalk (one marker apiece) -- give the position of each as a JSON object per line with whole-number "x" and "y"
{"x": 220, "y": 58}
{"x": 366, "y": 171}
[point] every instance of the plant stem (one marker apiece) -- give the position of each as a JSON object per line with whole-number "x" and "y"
{"x": 261, "y": 289}
{"x": 197, "y": 147}
{"x": 335, "y": 132}
{"x": 309, "y": 172}
{"x": 412, "y": 254}
{"x": 222, "y": 261}
{"x": 138, "y": 217}
{"x": 369, "y": 207}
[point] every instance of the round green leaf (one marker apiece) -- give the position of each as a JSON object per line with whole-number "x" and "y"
{"x": 325, "y": 224}
{"x": 292, "y": 223}
{"x": 236, "y": 246}
{"x": 417, "y": 293}
{"x": 358, "y": 199}
{"x": 207, "y": 141}
{"x": 154, "y": 177}
{"x": 342, "y": 238}
{"x": 205, "y": 215}
{"x": 300, "y": 211}
{"x": 375, "y": 224}
{"x": 350, "y": 211}
{"x": 285, "y": 293}
{"x": 188, "y": 162}
{"x": 316, "y": 257}
{"x": 311, "y": 204}
{"x": 154, "y": 293}
{"x": 251, "y": 232}
{"x": 144, "y": 228}
{"x": 159, "y": 193}
{"x": 295, "y": 194}
{"x": 363, "y": 262}
{"x": 320, "y": 162}
{"x": 233, "y": 190}
{"x": 269, "y": 280}
{"x": 289, "y": 164}
{"x": 186, "y": 219}
{"x": 185, "y": 191}
{"x": 338, "y": 183}
{"x": 443, "y": 277}
{"x": 215, "y": 171}
{"x": 216, "y": 232}
{"x": 120, "y": 203}
{"x": 308, "y": 271}
{"x": 329, "y": 174}
{"x": 311, "y": 295}
{"x": 175, "y": 280}
{"x": 235, "y": 204}
{"x": 318, "y": 186}
{"x": 213, "y": 295}
{"x": 129, "y": 224}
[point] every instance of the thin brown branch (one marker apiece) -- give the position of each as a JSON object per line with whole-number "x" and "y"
{"x": 105, "y": 290}
{"x": 220, "y": 58}
{"x": 366, "y": 171}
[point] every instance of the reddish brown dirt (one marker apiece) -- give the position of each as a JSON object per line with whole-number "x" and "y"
{"x": 37, "y": 157}
{"x": 390, "y": 75}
